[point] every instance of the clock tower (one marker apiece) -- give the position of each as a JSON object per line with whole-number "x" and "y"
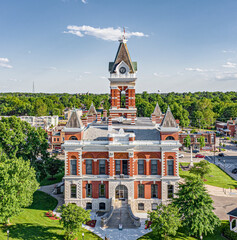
{"x": 122, "y": 85}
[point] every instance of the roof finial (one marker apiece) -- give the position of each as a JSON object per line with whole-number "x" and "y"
{"x": 123, "y": 39}
{"x": 123, "y": 32}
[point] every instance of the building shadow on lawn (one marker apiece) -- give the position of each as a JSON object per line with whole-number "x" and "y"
{"x": 34, "y": 232}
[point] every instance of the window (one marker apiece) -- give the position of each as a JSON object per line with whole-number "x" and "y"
{"x": 54, "y": 139}
{"x": 58, "y": 139}
{"x": 88, "y": 206}
{"x": 102, "y": 190}
{"x": 170, "y": 138}
{"x": 117, "y": 167}
{"x": 141, "y": 167}
{"x": 212, "y": 139}
{"x": 88, "y": 190}
{"x": 140, "y": 190}
{"x": 170, "y": 164}
{"x": 154, "y": 206}
{"x": 88, "y": 166}
{"x": 102, "y": 206}
{"x": 73, "y": 190}
{"x": 170, "y": 191}
{"x": 154, "y": 191}
{"x": 140, "y": 206}
{"x": 153, "y": 167}
{"x": 102, "y": 167}
{"x": 206, "y": 140}
{"x": 73, "y": 138}
{"x": 73, "y": 167}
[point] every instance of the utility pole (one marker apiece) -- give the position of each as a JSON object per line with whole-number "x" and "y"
{"x": 33, "y": 87}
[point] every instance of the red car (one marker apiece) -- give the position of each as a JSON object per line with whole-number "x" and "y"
{"x": 199, "y": 156}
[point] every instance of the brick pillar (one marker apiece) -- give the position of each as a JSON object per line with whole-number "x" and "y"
{"x": 84, "y": 121}
{"x": 90, "y": 118}
{"x": 110, "y": 123}
{"x": 105, "y": 113}
{"x": 95, "y": 170}
{"x": 153, "y": 118}
{"x": 133, "y": 119}
{"x": 111, "y": 165}
{"x": 94, "y": 117}
{"x": 147, "y": 166}
{"x": 131, "y": 164}
{"x": 99, "y": 117}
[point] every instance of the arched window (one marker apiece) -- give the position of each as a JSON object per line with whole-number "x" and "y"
{"x": 170, "y": 138}
{"x": 88, "y": 206}
{"x": 102, "y": 206}
{"x": 154, "y": 206}
{"x": 140, "y": 206}
{"x": 73, "y": 138}
{"x": 170, "y": 166}
{"x": 73, "y": 165}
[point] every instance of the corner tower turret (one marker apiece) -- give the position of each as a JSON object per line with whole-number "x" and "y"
{"x": 122, "y": 85}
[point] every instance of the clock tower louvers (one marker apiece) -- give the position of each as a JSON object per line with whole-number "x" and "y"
{"x": 122, "y": 85}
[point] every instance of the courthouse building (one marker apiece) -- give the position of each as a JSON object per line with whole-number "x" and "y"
{"x": 122, "y": 156}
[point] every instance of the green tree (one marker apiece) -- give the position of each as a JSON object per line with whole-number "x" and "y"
{"x": 195, "y": 208}
{"x": 165, "y": 221}
{"x": 53, "y": 166}
{"x": 19, "y": 139}
{"x": 72, "y": 218}
{"x": 40, "y": 108}
{"x": 17, "y": 185}
{"x": 201, "y": 169}
{"x": 201, "y": 140}
{"x": 187, "y": 141}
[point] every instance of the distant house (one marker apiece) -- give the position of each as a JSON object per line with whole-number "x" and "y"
{"x": 210, "y": 140}
{"x": 233, "y": 219}
{"x": 228, "y": 129}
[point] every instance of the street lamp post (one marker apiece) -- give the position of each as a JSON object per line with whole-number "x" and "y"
{"x": 82, "y": 236}
{"x": 7, "y": 234}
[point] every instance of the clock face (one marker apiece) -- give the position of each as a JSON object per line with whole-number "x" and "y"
{"x": 122, "y": 70}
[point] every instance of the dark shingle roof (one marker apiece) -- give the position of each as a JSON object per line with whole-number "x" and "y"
{"x": 74, "y": 121}
{"x": 168, "y": 120}
{"x": 233, "y": 212}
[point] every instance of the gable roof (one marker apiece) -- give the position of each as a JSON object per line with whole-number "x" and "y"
{"x": 233, "y": 212}
{"x": 123, "y": 55}
{"x": 157, "y": 111}
{"x": 74, "y": 120}
{"x": 92, "y": 110}
{"x": 168, "y": 120}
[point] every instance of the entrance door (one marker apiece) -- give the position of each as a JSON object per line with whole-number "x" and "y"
{"x": 121, "y": 192}
{"x": 125, "y": 167}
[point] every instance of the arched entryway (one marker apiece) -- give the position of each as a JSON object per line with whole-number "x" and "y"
{"x": 121, "y": 192}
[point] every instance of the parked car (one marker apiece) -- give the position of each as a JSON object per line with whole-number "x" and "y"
{"x": 199, "y": 156}
{"x": 234, "y": 170}
{"x": 181, "y": 155}
{"x": 221, "y": 155}
{"x": 195, "y": 151}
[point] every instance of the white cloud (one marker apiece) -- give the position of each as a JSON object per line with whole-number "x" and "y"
{"x": 4, "y": 62}
{"x": 87, "y": 72}
{"x": 229, "y": 65}
{"x": 160, "y": 74}
{"x": 195, "y": 69}
{"x": 84, "y": 1}
{"x": 226, "y": 77}
{"x": 228, "y": 51}
{"x": 109, "y": 34}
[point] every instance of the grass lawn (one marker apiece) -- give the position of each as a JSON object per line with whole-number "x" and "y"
{"x": 181, "y": 236}
{"x": 217, "y": 177}
{"x": 32, "y": 223}
{"x": 58, "y": 178}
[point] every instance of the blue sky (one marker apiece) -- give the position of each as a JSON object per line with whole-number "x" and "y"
{"x": 65, "y": 45}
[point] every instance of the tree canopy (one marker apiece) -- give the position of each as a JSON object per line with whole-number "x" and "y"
{"x": 17, "y": 185}
{"x": 195, "y": 208}
{"x": 165, "y": 221}
{"x": 72, "y": 218}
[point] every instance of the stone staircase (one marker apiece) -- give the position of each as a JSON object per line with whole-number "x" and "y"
{"x": 120, "y": 216}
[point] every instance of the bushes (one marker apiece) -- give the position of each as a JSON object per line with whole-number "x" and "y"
{"x": 228, "y": 233}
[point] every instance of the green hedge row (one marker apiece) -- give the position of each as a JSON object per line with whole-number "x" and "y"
{"x": 230, "y": 235}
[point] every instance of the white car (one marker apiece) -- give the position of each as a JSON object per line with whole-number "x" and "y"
{"x": 181, "y": 155}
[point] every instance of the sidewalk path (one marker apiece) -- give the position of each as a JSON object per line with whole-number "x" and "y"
{"x": 221, "y": 192}
{"x": 49, "y": 190}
